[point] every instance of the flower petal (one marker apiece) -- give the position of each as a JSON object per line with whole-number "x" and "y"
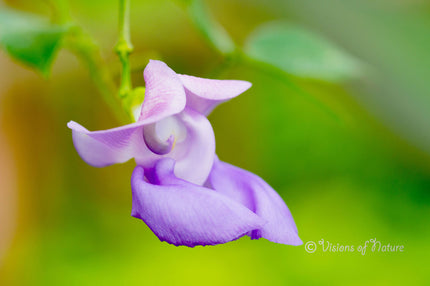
{"x": 164, "y": 93}
{"x": 203, "y": 95}
{"x": 182, "y": 213}
{"x": 254, "y": 193}
{"x": 118, "y": 145}
{"x": 107, "y": 147}
{"x": 195, "y": 155}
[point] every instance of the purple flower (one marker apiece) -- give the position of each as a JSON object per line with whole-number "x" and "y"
{"x": 180, "y": 189}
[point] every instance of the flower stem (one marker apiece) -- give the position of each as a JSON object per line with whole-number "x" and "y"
{"x": 82, "y": 45}
{"x": 124, "y": 47}
{"x": 214, "y": 34}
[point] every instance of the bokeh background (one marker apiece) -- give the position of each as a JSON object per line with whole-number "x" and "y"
{"x": 350, "y": 158}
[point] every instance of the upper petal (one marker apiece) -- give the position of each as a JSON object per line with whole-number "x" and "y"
{"x": 164, "y": 93}
{"x": 203, "y": 95}
{"x": 164, "y": 96}
{"x": 253, "y": 192}
{"x": 182, "y": 213}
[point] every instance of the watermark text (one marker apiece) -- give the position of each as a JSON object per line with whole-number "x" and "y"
{"x": 372, "y": 245}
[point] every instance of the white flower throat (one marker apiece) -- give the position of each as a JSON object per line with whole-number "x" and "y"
{"x": 162, "y": 136}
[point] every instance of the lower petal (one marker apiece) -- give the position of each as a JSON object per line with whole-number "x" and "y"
{"x": 254, "y": 193}
{"x": 182, "y": 213}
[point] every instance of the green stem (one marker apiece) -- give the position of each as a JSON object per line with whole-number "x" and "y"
{"x": 214, "y": 34}
{"x": 60, "y": 11}
{"x": 82, "y": 45}
{"x": 124, "y": 47}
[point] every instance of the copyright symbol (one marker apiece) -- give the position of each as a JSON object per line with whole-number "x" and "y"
{"x": 310, "y": 247}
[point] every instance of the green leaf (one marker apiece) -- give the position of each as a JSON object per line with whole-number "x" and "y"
{"x": 30, "y": 39}
{"x": 300, "y": 52}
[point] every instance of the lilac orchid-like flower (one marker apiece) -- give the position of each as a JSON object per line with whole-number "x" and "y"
{"x": 180, "y": 188}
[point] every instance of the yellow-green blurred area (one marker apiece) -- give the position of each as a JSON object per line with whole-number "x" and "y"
{"x": 350, "y": 159}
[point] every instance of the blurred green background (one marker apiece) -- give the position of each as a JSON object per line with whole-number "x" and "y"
{"x": 350, "y": 157}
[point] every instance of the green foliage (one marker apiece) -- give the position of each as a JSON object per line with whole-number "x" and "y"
{"x": 213, "y": 32}
{"x": 30, "y": 39}
{"x": 300, "y": 52}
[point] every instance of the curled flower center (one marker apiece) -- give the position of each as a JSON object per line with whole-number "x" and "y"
{"x": 160, "y": 137}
